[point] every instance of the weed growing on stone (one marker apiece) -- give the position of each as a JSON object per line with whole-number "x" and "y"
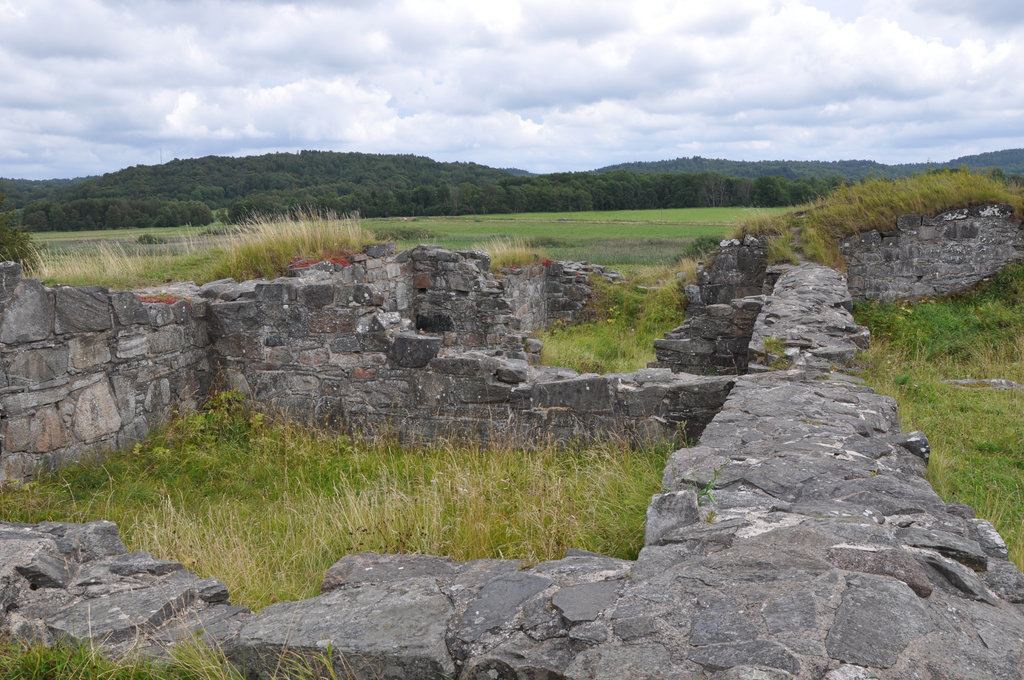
{"x": 977, "y": 436}
{"x": 268, "y": 244}
{"x": 268, "y": 507}
{"x": 508, "y": 252}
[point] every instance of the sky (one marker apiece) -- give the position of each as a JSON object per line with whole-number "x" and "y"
{"x": 93, "y": 86}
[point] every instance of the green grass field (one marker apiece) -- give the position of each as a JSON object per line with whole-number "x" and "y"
{"x": 617, "y": 239}
{"x": 625, "y": 237}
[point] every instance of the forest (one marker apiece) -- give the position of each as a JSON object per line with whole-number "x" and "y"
{"x": 201, "y": 190}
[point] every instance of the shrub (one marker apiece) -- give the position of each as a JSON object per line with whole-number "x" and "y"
{"x": 15, "y": 244}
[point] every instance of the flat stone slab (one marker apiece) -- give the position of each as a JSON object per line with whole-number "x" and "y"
{"x": 394, "y": 630}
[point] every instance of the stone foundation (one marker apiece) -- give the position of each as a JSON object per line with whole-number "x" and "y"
{"x": 798, "y": 539}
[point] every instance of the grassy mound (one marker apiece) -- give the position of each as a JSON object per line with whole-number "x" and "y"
{"x": 875, "y": 204}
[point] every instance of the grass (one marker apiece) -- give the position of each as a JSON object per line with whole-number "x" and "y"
{"x": 268, "y": 507}
{"x": 21, "y": 661}
{"x": 875, "y": 204}
{"x": 626, "y": 319}
{"x": 511, "y": 251}
{"x": 977, "y": 435}
{"x": 262, "y": 247}
{"x": 614, "y": 238}
{"x": 115, "y": 258}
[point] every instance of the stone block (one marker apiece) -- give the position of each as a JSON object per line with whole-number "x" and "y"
{"x": 333, "y": 321}
{"x": 668, "y": 512}
{"x": 37, "y": 365}
{"x": 96, "y": 413}
{"x": 81, "y": 309}
{"x": 410, "y": 350}
{"x": 86, "y": 351}
{"x": 587, "y": 393}
{"x": 10, "y": 276}
{"x": 435, "y": 322}
{"x": 28, "y": 315}
{"x": 390, "y": 630}
{"x": 128, "y": 308}
{"x": 36, "y": 433}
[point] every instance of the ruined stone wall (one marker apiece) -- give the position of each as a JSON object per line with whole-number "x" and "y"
{"x": 928, "y": 256}
{"x": 89, "y": 369}
{"x": 798, "y": 540}
{"x": 721, "y": 309}
{"x": 421, "y": 344}
{"x": 333, "y": 351}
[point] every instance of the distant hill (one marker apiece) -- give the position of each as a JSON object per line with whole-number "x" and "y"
{"x": 199, "y": 190}
{"x": 218, "y": 181}
{"x": 1010, "y": 161}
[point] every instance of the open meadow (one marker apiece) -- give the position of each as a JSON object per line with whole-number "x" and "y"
{"x": 144, "y": 257}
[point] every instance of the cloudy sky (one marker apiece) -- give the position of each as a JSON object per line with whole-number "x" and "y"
{"x": 92, "y": 86}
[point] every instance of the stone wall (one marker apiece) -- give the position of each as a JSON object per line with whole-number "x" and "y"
{"x": 90, "y": 369}
{"x": 928, "y": 256}
{"x": 797, "y": 540}
{"x": 334, "y": 351}
{"x": 423, "y": 343}
{"x": 721, "y": 309}
{"x": 919, "y": 257}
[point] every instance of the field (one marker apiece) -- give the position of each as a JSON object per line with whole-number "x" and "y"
{"x": 624, "y": 238}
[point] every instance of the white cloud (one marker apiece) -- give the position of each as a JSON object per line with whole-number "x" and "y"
{"x": 93, "y": 86}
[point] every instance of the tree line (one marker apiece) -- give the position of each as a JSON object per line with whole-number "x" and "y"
{"x": 112, "y": 213}
{"x": 560, "y": 192}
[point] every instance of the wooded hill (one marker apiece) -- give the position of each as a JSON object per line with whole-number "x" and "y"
{"x": 1009, "y": 161}
{"x": 191, "y": 191}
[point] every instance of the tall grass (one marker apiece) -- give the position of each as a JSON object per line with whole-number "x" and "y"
{"x": 876, "y": 204}
{"x": 112, "y": 263}
{"x": 626, "y": 318}
{"x": 267, "y": 508}
{"x": 262, "y": 247}
{"x": 977, "y": 435}
{"x": 511, "y": 251}
{"x": 266, "y": 245}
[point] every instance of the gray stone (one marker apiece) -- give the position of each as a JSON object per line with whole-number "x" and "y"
{"x": 142, "y": 563}
{"x": 586, "y": 393}
{"x": 1006, "y": 580}
{"x": 28, "y": 315}
{"x": 585, "y": 602}
{"x": 10, "y": 276}
{"x": 81, "y": 309}
{"x": 963, "y": 580}
{"x": 988, "y": 538}
{"x": 46, "y": 571}
{"x": 754, "y": 653}
{"x": 636, "y": 662}
{"x": 122, "y": 616}
{"x": 722, "y": 619}
{"x": 411, "y": 350}
{"x": 391, "y": 631}
{"x": 896, "y": 563}
{"x": 371, "y": 568}
{"x": 668, "y": 512}
{"x": 497, "y": 603}
{"x": 961, "y": 549}
{"x": 96, "y": 413}
{"x": 876, "y": 621}
{"x": 38, "y": 365}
